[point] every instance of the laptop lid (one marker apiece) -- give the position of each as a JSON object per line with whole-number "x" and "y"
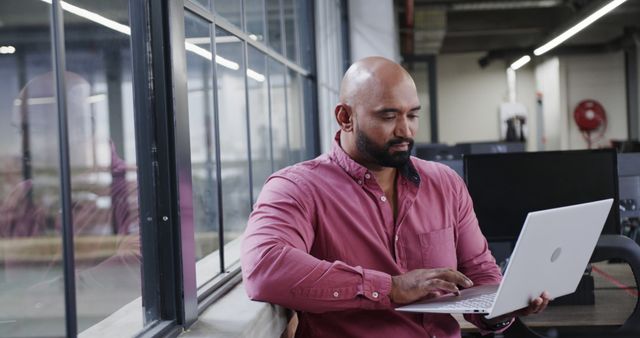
{"x": 551, "y": 254}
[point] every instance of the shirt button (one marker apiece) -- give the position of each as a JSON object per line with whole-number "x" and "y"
{"x": 336, "y": 294}
{"x": 360, "y": 182}
{"x": 367, "y": 176}
{"x": 375, "y": 294}
{"x": 383, "y": 199}
{"x": 397, "y": 238}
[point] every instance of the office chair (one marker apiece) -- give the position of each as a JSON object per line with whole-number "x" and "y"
{"x": 608, "y": 247}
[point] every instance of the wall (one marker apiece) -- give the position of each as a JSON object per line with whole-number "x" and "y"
{"x": 547, "y": 77}
{"x": 469, "y": 97}
{"x": 373, "y": 29}
{"x": 602, "y": 78}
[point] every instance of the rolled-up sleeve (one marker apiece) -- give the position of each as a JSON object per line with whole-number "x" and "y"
{"x": 277, "y": 266}
{"x": 474, "y": 257}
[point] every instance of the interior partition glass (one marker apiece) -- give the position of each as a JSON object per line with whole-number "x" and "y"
{"x": 31, "y": 281}
{"x": 230, "y": 10}
{"x": 203, "y": 153}
{"x": 274, "y": 25}
{"x": 295, "y": 117}
{"x": 290, "y": 16}
{"x": 254, "y": 19}
{"x": 103, "y": 160}
{"x": 258, "y": 92}
{"x": 279, "y": 138}
{"x": 234, "y": 145}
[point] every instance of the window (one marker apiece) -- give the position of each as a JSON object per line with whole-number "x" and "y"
{"x": 171, "y": 134}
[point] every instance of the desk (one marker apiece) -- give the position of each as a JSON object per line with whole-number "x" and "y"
{"x": 613, "y": 304}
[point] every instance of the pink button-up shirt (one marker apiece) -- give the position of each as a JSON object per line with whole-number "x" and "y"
{"x": 322, "y": 240}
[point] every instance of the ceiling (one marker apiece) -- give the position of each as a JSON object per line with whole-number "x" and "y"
{"x": 509, "y": 28}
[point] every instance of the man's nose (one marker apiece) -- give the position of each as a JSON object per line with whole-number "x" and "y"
{"x": 402, "y": 128}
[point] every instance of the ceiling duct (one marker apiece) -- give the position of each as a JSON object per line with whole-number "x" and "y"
{"x": 430, "y": 27}
{"x": 503, "y": 5}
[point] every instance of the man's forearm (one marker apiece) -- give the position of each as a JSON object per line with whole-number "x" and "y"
{"x": 297, "y": 280}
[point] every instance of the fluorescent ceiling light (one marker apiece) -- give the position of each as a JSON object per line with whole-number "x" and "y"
{"x": 520, "y": 62}
{"x": 7, "y": 49}
{"x": 578, "y": 27}
{"x": 199, "y": 41}
{"x": 97, "y": 18}
{"x": 255, "y": 75}
{"x": 189, "y": 45}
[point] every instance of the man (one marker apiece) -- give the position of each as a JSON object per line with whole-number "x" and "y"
{"x": 348, "y": 236}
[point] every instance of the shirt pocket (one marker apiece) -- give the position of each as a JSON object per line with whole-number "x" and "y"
{"x": 438, "y": 249}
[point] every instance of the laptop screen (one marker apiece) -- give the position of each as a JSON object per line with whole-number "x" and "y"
{"x": 505, "y": 187}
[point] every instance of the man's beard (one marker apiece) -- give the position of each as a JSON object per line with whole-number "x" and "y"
{"x": 382, "y": 155}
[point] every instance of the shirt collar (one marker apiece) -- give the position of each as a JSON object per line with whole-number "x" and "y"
{"x": 357, "y": 171}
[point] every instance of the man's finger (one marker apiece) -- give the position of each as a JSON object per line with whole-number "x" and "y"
{"x": 439, "y": 285}
{"x": 453, "y": 276}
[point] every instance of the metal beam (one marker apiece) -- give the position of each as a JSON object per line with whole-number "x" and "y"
{"x": 631, "y": 80}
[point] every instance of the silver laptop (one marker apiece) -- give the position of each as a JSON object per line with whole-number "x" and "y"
{"x": 550, "y": 255}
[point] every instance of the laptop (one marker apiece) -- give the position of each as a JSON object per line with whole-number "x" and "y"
{"x": 550, "y": 255}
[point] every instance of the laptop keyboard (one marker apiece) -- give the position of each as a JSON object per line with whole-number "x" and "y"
{"x": 479, "y": 302}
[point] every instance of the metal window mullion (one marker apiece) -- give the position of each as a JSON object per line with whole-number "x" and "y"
{"x": 245, "y": 56}
{"x": 216, "y": 121}
{"x": 148, "y": 178}
{"x": 59, "y": 68}
{"x": 311, "y": 121}
{"x": 268, "y": 76}
{"x": 181, "y": 220}
{"x": 346, "y": 39}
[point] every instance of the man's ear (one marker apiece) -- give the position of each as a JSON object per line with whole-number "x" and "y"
{"x": 344, "y": 117}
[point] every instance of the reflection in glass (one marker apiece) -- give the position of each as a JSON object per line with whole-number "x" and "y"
{"x": 278, "y": 115}
{"x": 204, "y": 3}
{"x": 103, "y": 161}
{"x": 254, "y": 19}
{"x": 258, "y": 92}
{"x": 291, "y": 12}
{"x": 230, "y": 10}
{"x": 202, "y": 132}
{"x": 234, "y": 148}
{"x": 274, "y": 27}
{"x": 295, "y": 117}
{"x": 30, "y": 242}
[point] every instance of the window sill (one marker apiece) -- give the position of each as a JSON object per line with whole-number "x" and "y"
{"x": 235, "y": 315}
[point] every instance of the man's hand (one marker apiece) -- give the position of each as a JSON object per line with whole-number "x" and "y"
{"x": 421, "y": 283}
{"x": 536, "y": 305}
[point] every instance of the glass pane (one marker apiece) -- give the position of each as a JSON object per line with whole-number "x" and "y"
{"x": 104, "y": 180}
{"x": 278, "y": 115}
{"x": 203, "y": 3}
{"x": 254, "y": 19}
{"x": 234, "y": 149}
{"x": 31, "y": 282}
{"x": 291, "y": 13}
{"x": 274, "y": 26}
{"x": 295, "y": 117}
{"x": 258, "y": 92}
{"x": 202, "y": 133}
{"x": 230, "y": 10}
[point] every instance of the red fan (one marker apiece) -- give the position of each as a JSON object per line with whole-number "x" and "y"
{"x": 591, "y": 120}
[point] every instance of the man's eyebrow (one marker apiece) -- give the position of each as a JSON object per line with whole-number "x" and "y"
{"x": 395, "y": 110}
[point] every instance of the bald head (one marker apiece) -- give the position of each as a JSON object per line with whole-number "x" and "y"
{"x": 377, "y": 113}
{"x": 368, "y": 78}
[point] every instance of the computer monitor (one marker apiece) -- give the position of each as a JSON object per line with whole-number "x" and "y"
{"x": 505, "y": 187}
